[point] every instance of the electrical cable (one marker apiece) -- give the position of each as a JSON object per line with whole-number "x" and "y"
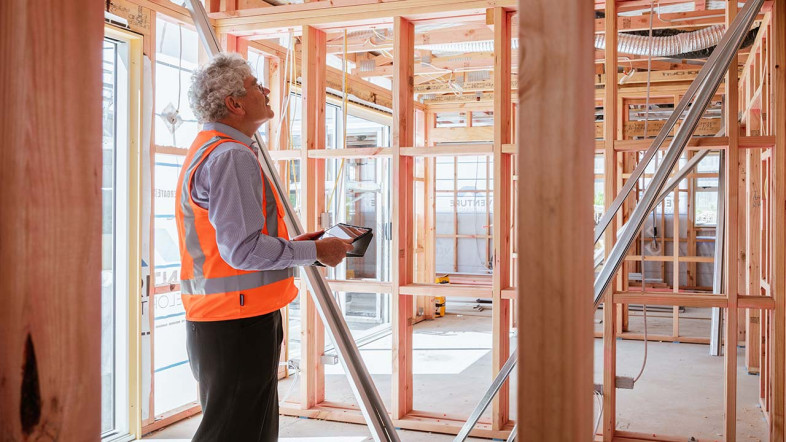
{"x": 599, "y": 398}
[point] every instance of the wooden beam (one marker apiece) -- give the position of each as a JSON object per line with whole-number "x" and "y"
{"x": 417, "y": 420}
{"x": 756, "y": 142}
{"x": 467, "y": 86}
{"x": 312, "y": 171}
{"x": 502, "y": 211}
{"x": 469, "y": 62}
{"x": 778, "y": 226}
{"x": 339, "y": 14}
{"x": 731, "y": 246}
{"x": 610, "y": 130}
{"x": 51, "y": 229}
{"x": 402, "y": 244}
{"x": 466, "y": 134}
{"x": 554, "y": 216}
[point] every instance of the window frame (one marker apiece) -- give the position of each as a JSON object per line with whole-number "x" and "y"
{"x": 127, "y": 343}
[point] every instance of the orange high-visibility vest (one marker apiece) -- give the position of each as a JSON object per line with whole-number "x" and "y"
{"x": 211, "y": 289}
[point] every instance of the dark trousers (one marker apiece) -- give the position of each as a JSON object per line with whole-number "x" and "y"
{"x": 236, "y": 365}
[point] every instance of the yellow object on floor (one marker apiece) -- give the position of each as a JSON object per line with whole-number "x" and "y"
{"x": 440, "y": 305}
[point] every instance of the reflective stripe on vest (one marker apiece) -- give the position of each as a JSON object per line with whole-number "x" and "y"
{"x": 192, "y": 240}
{"x": 199, "y": 285}
{"x": 236, "y": 283}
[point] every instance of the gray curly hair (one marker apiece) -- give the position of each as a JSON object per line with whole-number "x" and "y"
{"x": 213, "y": 82}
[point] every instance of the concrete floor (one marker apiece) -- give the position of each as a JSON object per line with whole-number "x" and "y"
{"x": 679, "y": 394}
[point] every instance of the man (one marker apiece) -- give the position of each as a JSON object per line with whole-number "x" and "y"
{"x": 236, "y": 258}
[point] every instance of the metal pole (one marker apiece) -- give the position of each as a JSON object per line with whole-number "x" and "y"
{"x": 502, "y": 376}
{"x": 716, "y": 327}
{"x": 513, "y": 434}
{"x": 717, "y": 66}
{"x": 371, "y": 405}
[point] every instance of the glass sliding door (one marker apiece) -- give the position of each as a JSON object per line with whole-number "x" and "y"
{"x": 117, "y": 255}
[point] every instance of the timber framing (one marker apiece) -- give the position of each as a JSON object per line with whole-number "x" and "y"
{"x": 528, "y": 287}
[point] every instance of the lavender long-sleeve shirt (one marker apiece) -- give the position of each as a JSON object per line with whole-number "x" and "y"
{"x": 229, "y": 185}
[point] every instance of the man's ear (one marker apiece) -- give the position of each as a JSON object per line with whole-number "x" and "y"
{"x": 234, "y": 106}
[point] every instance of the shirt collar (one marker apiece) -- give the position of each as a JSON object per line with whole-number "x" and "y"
{"x": 232, "y": 132}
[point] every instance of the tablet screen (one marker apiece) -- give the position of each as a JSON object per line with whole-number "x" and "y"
{"x": 345, "y": 231}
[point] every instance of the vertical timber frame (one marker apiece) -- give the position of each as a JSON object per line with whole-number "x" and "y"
{"x": 610, "y": 123}
{"x": 778, "y": 225}
{"x": 51, "y": 236}
{"x": 502, "y": 210}
{"x": 731, "y": 243}
{"x": 554, "y": 217}
{"x": 402, "y": 247}
{"x": 312, "y": 171}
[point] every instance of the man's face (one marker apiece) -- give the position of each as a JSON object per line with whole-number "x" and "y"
{"x": 256, "y": 102}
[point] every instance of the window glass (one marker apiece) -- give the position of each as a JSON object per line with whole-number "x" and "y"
{"x": 451, "y": 119}
{"x": 108, "y": 241}
{"x": 177, "y": 52}
{"x": 463, "y": 214}
{"x": 482, "y": 118}
{"x": 295, "y": 117}
{"x": 167, "y": 252}
{"x": 174, "y": 385}
{"x": 365, "y": 133}
{"x": 357, "y": 192}
{"x": 114, "y": 239}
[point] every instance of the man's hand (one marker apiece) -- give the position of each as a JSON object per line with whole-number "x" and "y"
{"x": 309, "y": 236}
{"x": 331, "y": 251}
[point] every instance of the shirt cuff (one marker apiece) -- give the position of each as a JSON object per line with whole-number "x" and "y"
{"x": 304, "y": 253}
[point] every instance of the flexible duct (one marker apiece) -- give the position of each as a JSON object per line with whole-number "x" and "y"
{"x": 666, "y": 46}
{"x": 627, "y": 43}
{"x": 695, "y": 44}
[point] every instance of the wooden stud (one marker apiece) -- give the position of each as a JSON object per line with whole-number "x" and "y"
{"x": 402, "y": 245}
{"x": 752, "y": 254}
{"x": 312, "y": 171}
{"x": 778, "y": 226}
{"x": 502, "y": 216}
{"x": 554, "y": 216}
{"x": 610, "y": 134}
{"x": 51, "y": 229}
{"x": 731, "y": 245}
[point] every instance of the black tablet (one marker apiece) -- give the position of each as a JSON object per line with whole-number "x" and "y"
{"x": 360, "y": 236}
